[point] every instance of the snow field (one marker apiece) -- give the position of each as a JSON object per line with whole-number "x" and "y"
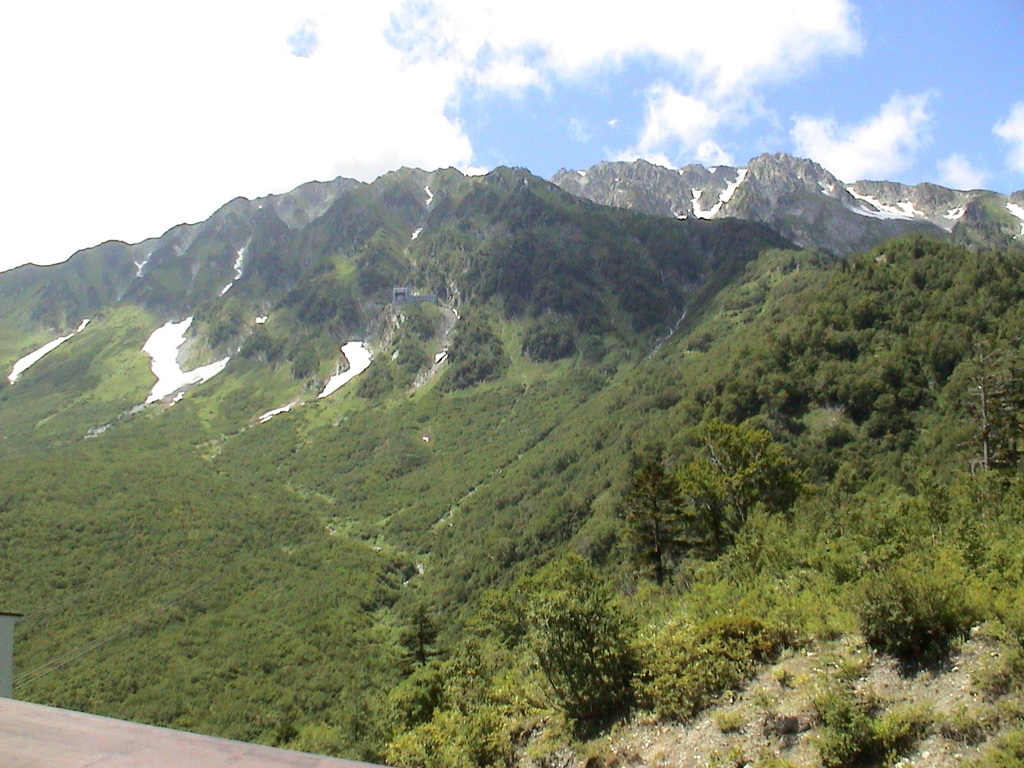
{"x": 162, "y": 346}
{"x": 32, "y": 358}
{"x": 359, "y": 357}
{"x": 903, "y": 210}
{"x": 1017, "y": 211}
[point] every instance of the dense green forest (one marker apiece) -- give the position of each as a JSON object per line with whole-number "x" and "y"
{"x": 596, "y": 509}
{"x": 831, "y": 449}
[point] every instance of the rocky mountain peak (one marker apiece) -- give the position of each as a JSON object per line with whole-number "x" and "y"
{"x": 801, "y": 200}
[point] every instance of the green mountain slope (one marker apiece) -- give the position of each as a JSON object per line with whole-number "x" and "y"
{"x": 864, "y": 381}
{"x": 382, "y": 570}
{"x": 191, "y": 566}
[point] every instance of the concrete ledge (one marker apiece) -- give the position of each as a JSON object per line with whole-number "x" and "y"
{"x": 36, "y": 736}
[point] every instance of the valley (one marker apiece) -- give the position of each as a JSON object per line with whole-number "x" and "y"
{"x": 616, "y": 472}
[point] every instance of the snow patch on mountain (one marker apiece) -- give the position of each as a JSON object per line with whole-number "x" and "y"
{"x": 141, "y": 265}
{"x": 1017, "y": 211}
{"x": 697, "y": 210}
{"x": 430, "y": 195}
{"x": 724, "y": 197}
{"x": 416, "y": 233}
{"x": 32, "y": 358}
{"x": 732, "y": 186}
{"x": 237, "y": 266}
{"x": 903, "y": 210}
{"x": 162, "y": 346}
{"x": 953, "y": 214}
{"x": 283, "y": 409}
{"x": 359, "y": 358}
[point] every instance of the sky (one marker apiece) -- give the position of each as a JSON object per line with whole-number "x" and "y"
{"x": 123, "y": 119}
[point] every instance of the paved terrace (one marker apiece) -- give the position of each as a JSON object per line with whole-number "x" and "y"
{"x": 34, "y": 736}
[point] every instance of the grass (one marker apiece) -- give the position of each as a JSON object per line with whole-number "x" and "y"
{"x": 91, "y": 380}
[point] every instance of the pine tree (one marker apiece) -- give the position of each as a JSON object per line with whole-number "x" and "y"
{"x": 653, "y": 510}
{"x": 998, "y": 389}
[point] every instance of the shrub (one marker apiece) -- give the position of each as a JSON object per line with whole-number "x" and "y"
{"x": 915, "y": 610}
{"x": 454, "y": 740}
{"x": 319, "y": 738}
{"x": 1006, "y": 752}
{"x": 846, "y": 735}
{"x": 688, "y": 667}
{"x": 581, "y": 640}
{"x": 1001, "y": 673}
{"x": 476, "y": 355}
{"x": 964, "y": 726}
{"x": 730, "y": 722}
{"x": 548, "y": 341}
{"x": 783, "y": 677}
{"x": 898, "y": 730}
{"x": 378, "y": 381}
{"x": 414, "y": 701}
{"x": 853, "y": 732}
{"x": 734, "y": 757}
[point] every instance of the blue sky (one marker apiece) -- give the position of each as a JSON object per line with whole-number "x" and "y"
{"x": 122, "y": 119}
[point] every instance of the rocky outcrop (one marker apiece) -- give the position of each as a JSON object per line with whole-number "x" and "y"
{"x": 797, "y": 197}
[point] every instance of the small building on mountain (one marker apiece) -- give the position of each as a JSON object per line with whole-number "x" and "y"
{"x": 403, "y": 294}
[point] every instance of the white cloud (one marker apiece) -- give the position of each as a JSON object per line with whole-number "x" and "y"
{"x": 125, "y": 118}
{"x": 129, "y": 118}
{"x": 510, "y": 74}
{"x": 1011, "y": 130}
{"x": 709, "y": 153}
{"x": 303, "y": 41}
{"x": 881, "y": 146}
{"x": 678, "y": 125}
{"x": 578, "y": 130}
{"x": 957, "y": 172}
{"x": 764, "y": 41}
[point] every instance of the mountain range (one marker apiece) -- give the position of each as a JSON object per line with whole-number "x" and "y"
{"x": 306, "y": 473}
{"x": 804, "y": 202}
{"x": 262, "y": 249}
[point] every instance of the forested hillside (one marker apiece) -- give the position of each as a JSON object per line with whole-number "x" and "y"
{"x": 830, "y": 450}
{"x": 619, "y": 463}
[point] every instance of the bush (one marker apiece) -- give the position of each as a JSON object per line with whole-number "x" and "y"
{"x": 1001, "y": 673}
{"x": 730, "y": 722}
{"x": 846, "y": 734}
{"x": 964, "y": 726}
{"x": 1006, "y": 752}
{"x": 581, "y": 640}
{"x": 548, "y": 341}
{"x": 898, "y": 730}
{"x": 915, "y": 610}
{"x": 414, "y": 701}
{"x": 853, "y": 733}
{"x": 476, "y": 355}
{"x": 686, "y": 668}
{"x": 454, "y": 740}
{"x": 378, "y": 381}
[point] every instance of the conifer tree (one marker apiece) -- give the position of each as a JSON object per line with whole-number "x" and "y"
{"x": 653, "y": 511}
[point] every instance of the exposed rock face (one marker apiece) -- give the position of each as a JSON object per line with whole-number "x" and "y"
{"x": 309, "y": 201}
{"x": 799, "y": 199}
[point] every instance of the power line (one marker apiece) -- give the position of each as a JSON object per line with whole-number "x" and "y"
{"x": 67, "y": 658}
